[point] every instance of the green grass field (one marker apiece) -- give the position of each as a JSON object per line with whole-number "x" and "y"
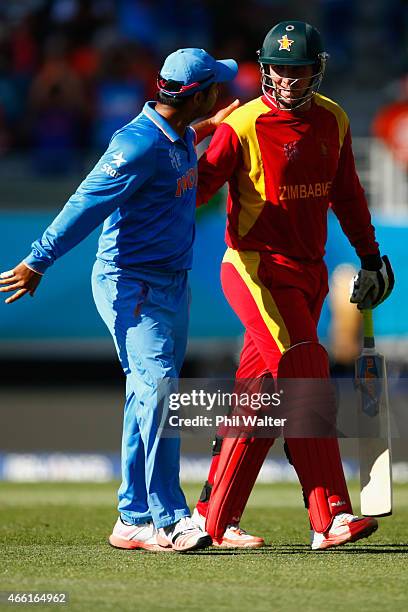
{"x": 54, "y": 538}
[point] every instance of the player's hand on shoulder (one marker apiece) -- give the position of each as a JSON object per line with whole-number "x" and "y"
{"x": 223, "y": 113}
{"x": 208, "y": 126}
{"x": 21, "y": 280}
{"x": 373, "y": 283}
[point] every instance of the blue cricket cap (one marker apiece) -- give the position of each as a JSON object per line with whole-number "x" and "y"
{"x": 189, "y": 70}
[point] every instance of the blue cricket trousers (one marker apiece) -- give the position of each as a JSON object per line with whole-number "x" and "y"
{"x": 147, "y": 314}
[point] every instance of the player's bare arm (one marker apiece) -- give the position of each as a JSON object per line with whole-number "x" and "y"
{"x": 21, "y": 280}
{"x": 208, "y": 126}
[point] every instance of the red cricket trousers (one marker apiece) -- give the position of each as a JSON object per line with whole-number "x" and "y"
{"x": 279, "y": 301}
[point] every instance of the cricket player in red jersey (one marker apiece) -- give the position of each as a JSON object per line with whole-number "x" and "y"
{"x": 287, "y": 157}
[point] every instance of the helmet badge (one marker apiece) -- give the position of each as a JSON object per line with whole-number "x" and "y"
{"x": 285, "y": 43}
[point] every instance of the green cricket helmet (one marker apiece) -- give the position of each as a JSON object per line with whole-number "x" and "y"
{"x": 292, "y": 43}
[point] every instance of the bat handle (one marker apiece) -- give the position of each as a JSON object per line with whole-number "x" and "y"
{"x": 368, "y": 327}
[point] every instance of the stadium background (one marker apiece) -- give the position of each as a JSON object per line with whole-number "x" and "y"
{"x": 73, "y": 71}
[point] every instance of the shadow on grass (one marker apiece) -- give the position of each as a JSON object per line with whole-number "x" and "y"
{"x": 296, "y": 549}
{"x": 346, "y": 548}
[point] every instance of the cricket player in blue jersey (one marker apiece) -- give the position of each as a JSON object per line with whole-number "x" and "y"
{"x": 144, "y": 189}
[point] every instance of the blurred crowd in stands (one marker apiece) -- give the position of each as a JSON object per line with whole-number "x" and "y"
{"x": 73, "y": 71}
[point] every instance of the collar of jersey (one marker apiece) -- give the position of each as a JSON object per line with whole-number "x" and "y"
{"x": 160, "y": 122}
{"x": 288, "y": 114}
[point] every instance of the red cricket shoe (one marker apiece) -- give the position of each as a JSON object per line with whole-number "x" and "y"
{"x": 234, "y": 536}
{"x": 345, "y": 528}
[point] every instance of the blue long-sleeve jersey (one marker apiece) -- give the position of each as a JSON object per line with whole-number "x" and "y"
{"x": 144, "y": 189}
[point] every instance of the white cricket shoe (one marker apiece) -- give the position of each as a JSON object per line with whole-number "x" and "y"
{"x": 136, "y": 536}
{"x": 234, "y": 536}
{"x": 184, "y": 536}
{"x": 345, "y": 528}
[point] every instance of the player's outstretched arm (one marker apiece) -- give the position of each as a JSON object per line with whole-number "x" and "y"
{"x": 102, "y": 191}
{"x": 20, "y": 279}
{"x": 208, "y": 126}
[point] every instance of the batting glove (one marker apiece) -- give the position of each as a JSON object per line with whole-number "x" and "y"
{"x": 373, "y": 284}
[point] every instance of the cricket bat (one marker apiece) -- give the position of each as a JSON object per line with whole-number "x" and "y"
{"x": 374, "y": 427}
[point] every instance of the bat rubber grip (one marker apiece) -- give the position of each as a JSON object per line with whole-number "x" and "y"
{"x": 368, "y": 327}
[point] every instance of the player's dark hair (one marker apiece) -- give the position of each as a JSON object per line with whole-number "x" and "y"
{"x": 177, "y": 102}
{"x": 171, "y": 100}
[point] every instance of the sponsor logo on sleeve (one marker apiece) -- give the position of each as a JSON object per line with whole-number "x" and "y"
{"x": 107, "y": 168}
{"x": 117, "y": 160}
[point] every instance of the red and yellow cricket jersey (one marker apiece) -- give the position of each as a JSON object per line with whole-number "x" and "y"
{"x": 284, "y": 170}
